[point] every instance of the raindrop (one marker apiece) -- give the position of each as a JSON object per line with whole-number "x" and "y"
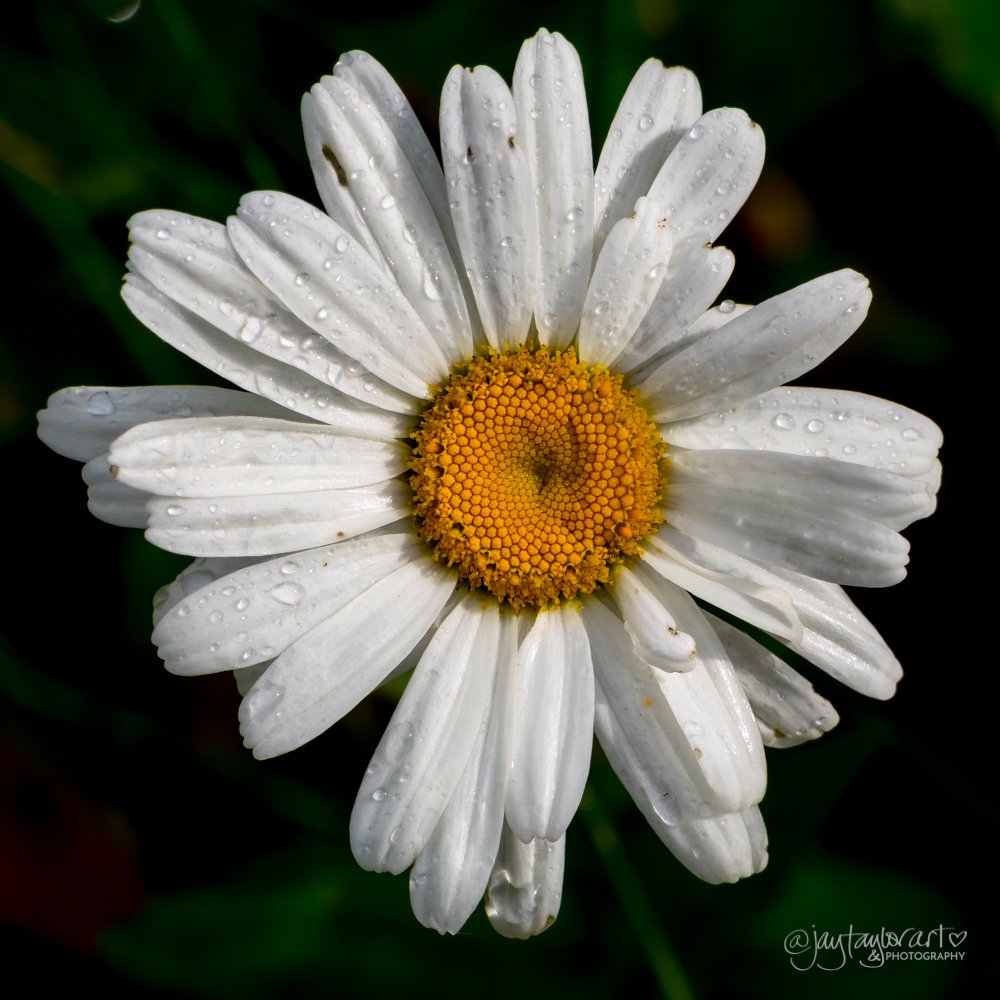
{"x": 174, "y": 509}
{"x": 163, "y": 234}
{"x": 242, "y": 604}
{"x": 697, "y": 131}
{"x": 506, "y": 241}
{"x": 288, "y": 593}
{"x": 387, "y": 202}
{"x": 288, "y": 568}
{"x": 727, "y": 306}
{"x": 432, "y": 285}
{"x": 341, "y": 244}
{"x": 215, "y": 617}
{"x": 574, "y": 214}
{"x": 784, "y": 421}
{"x": 645, "y": 123}
{"x": 815, "y": 426}
{"x": 379, "y": 794}
{"x": 910, "y": 434}
{"x": 252, "y": 329}
{"x": 301, "y": 278}
{"x": 100, "y": 404}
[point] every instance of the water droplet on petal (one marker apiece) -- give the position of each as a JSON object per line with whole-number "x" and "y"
{"x": 100, "y": 404}
{"x": 784, "y": 421}
{"x": 645, "y": 123}
{"x": 815, "y": 426}
{"x": 288, "y": 593}
{"x": 727, "y": 306}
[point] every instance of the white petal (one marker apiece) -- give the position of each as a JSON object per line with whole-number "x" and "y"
{"x": 554, "y": 132}
{"x": 320, "y": 678}
{"x": 326, "y": 279}
{"x": 849, "y": 426}
{"x": 723, "y": 848}
{"x": 692, "y": 735}
{"x": 197, "y": 574}
{"x": 626, "y": 280}
{"x": 376, "y": 85}
{"x": 247, "y": 456}
{"x": 696, "y": 273}
{"x": 422, "y": 755}
{"x": 197, "y": 267}
{"x": 238, "y": 363}
{"x": 652, "y": 629}
{"x": 82, "y": 422}
{"x": 755, "y": 599}
{"x": 771, "y": 344}
{"x": 554, "y": 730}
{"x": 111, "y": 500}
{"x": 787, "y": 707}
{"x": 450, "y": 875}
{"x": 526, "y": 886}
{"x": 492, "y": 200}
{"x": 253, "y": 613}
{"x": 890, "y": 499}
{"x": 659, "y": 106}
{"x": 279, "y": 522}
{"x": 386, "y": 199}
{"x": 832, "y": 633}
{"x": 802, "y": 534}
{"x": 710, "y": 172}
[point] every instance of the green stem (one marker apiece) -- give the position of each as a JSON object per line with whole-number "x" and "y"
{"x": 650, "y": 932}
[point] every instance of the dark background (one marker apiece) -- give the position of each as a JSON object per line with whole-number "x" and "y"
{"x": 144, "y": 852}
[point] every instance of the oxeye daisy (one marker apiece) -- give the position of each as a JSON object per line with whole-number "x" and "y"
{"x": 494, "y": 428}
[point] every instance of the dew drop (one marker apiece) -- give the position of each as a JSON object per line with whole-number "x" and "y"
{"x": 288, "y": 593}
{"x": 697, "y": 131}
{"x": 174, "y": 509}
{"x": 379, "y": 794}
{"x": 100, "y": 404}
{"x": 301, "y": 278}
{"x": 288, "y": 568}
{"x": 251, "y": 329}
{"x": 910, "y": 434}
{"x": 784, "y": 421}
{"x": 163, "y": 234}
{"x": 341, "y": 243}
{"x": 645, "y": 123}
{"x": 815, "y": 426}
{"x": 242, "y": 604}
{"x": 727, "y": 306}
{"x": 387, "y": 201}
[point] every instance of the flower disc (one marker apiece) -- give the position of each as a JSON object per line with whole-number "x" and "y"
{"x": 534, "y": 474}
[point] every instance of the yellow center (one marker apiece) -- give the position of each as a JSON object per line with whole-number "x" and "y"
{"x": 533, "y": 475}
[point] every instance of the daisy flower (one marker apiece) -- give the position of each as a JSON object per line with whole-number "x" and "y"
{"x": 494, "y": 429}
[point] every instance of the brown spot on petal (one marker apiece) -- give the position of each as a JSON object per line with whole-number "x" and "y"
{"x": 331, "y": 157}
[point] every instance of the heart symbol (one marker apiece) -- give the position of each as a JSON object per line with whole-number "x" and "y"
{"x": 956, "y": 937}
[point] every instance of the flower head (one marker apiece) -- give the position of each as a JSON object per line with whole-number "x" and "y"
{"x": 494, "y": 429}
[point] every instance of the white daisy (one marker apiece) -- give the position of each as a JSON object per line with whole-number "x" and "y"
{"x": 493, "y": 427}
